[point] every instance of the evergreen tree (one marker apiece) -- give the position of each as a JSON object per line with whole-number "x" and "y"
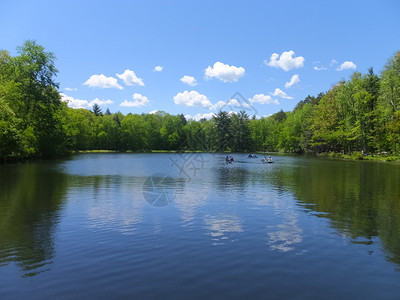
{"x": 222, "y": 122}
{"x": 97, "y": 110}
{"x": 240, "y": 132}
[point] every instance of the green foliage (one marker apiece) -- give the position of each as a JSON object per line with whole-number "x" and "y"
{"x": 355, "y": 117}
{"x": 390, "y": 84}
{"x": 80, "y": 129}
{"x": 97, "y": 110}
{"x": 240, "y": 132}
{"x": 279, "y": 116}
{"x": 29, "y": 98}
{"x": 134, "y": 133}
{"x": 223, "y": 122}
{"x": 295, "y": 134}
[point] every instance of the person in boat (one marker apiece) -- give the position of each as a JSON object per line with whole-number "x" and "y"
{"x": 229, "y": 159}
{"x": 269, "y": 158}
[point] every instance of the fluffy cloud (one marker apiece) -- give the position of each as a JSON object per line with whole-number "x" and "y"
{"x": 320, "y": 68}
{"x": 138, "y": 100}
{"x": 192, "y": 98}
{"x": 263, "y": 99}
{"x": 198, "y": 117}
{"x": 232, "y": 112}
{"x": 286, "y": 61}
{"x": 158, "y": 68}
{"x": 232, "y": 103}
{"x": 295, "y": 79}
{"x": 99, "y": 102}
{"x": 190, "y": 80}
{"x": 78, "y": 103}
{"x": 153, "y": 112}
{"x": 346, "y": 65}
{"x": 278, "y": 92}
{"x": 103, "y": 82}
{"x": 225, "y": 73}
{"x": 129, "y": 77}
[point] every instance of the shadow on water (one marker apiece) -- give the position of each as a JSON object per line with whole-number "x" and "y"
{"x": 31, "y": 196}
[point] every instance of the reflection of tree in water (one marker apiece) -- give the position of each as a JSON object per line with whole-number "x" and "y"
{"x": 231, "y": 176}
{"x": 30, "y": 198}
{"x": 361, "y": 198}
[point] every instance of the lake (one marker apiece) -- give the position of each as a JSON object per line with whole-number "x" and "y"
{"x": 190, "y": 226}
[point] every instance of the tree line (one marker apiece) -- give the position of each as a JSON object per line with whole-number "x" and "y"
{"x": 359, "y": 114}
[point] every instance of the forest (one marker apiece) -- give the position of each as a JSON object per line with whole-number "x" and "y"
{"x": 358, "y": 115}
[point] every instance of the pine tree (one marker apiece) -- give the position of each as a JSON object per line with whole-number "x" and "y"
{"x": 97, "y": 110}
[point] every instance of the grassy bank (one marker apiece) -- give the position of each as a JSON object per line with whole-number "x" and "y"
{"x": 360, "y": 156}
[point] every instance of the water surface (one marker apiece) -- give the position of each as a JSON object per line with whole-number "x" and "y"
{"x": 189, "y": 226}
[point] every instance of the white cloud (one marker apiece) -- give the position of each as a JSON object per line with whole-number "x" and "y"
{"x": 278, "y": 92}
{"x": 286, "y": 61}
{"x": 70, "y": 89}
{"x": 320, "y": 68}
{"x": 138, "y": 100}
{"x": 153, "y": 112}
{"x": 232, "y": 112}
{"x": 295, "y": 79}
{"x": 192, "y": 98}
{"x": 79, "y": 103}
{"x": 263, "y": 99}
{"x": 347, "y": 65}
{"x": 74, "y": 103}
{"x": 103, "y": 82}
{"x": 158, "y": 68}
{"x": 190, "y": 80}
{"x": 198, "y": 117}
{"x": 223, "y": 72}
{"x": 129, "y": 77}
{"x": 333, "y": 62}
{"x": 99, "y": 102}
{"x": 232, "y": 103}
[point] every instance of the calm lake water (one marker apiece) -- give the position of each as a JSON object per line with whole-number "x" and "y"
{"x": 189, "y": 226}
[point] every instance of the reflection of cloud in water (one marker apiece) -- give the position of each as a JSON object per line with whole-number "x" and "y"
{"x": 188, "y": 200}
{"x": 113, "y": 216}
{"x": 222, "y": 226}
{"x": 261, "y": 199}
{"x": 288, "y": 234}
{"x": 118, "y": 210}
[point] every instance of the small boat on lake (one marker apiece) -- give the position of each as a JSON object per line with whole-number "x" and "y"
{"x": 229, "y": 159}
{"x": 252, "y": 156}
{"x": 267, "y": 160}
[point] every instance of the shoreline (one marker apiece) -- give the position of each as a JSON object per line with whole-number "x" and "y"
{"x": 331, "y": 155}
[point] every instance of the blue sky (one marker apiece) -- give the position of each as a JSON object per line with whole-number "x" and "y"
{"x": 198, "y": 57}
